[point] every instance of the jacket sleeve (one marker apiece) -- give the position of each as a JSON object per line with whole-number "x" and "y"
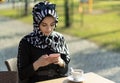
{"x": 63, "y": 70}
{"x": 66, "y": 58}
{"x": 25, "y": 68}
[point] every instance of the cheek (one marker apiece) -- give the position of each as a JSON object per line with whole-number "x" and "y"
{"x": 40, "y": 28}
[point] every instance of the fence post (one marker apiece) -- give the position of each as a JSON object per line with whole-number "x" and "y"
{"x": 67, "y": 16}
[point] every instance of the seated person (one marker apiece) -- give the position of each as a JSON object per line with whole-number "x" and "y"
{"x": 43, "y": 54}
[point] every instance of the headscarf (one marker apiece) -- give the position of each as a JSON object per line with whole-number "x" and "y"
{"x": 55, "y": 41}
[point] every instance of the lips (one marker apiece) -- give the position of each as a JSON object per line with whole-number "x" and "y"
{"x": 47, "y": 33}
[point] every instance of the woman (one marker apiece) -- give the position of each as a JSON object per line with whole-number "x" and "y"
{"x": 43, "y": 54}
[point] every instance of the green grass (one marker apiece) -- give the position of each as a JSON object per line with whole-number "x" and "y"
{"x": 9, "y": 13}
{"x": 101, "y": 27}
{"x": 27, "y": 19}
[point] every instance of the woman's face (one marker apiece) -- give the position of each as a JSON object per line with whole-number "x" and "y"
{"x": 47, "y": 25}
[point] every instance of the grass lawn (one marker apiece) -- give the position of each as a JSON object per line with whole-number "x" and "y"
{"x": 101, "y": 27}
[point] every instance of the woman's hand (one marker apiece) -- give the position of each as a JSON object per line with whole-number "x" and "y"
{"x": 56, "y": 59}
{"x": 44, "y": 60}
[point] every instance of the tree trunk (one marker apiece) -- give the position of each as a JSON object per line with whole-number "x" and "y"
{"x": 26, "y": 8}
{"x": 67, "y": 17}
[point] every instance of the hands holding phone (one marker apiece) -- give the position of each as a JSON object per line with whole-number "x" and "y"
{"x": 45, "y": 60}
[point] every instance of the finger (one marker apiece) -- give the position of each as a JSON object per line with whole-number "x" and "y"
{"x": 54, "y": 55}
{"x": 56, "y": 62}
{"x": 45, "y": 56}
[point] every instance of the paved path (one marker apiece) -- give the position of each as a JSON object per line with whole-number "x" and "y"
{"x": 84, "y": 54}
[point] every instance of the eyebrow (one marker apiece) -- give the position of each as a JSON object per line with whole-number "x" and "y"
{"x": 46, "y": 23}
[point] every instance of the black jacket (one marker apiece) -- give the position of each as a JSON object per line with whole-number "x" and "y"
{"x": 27, "y": 55}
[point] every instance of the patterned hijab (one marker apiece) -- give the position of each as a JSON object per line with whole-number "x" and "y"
{"x": 55, "y": 41}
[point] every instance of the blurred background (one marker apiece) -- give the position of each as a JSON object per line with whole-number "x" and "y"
{"x": 96, "y": 20}
{"x": 93, "y": 27}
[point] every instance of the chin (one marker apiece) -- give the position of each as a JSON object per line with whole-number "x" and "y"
{"x": 47, "y": 34}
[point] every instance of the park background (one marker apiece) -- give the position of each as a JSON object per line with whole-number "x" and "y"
{"x": 100, "y": 26}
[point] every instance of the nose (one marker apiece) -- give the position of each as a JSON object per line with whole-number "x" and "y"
{"x": 49, "y": 28}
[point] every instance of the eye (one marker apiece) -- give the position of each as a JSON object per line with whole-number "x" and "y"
{"x": 53, "y": 24}
{"x": 44, "y": 25}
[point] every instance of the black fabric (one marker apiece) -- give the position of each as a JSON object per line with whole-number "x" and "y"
{"x": 27, "y": 54}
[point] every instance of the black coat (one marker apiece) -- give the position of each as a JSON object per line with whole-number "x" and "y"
{"x": 27, "y": 55}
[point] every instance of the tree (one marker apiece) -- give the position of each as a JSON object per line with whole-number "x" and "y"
{"x": 26, "y": 8}
{"x": 67, "y": 16}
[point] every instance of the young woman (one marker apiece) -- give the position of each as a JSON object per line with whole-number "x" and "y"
{"x": 43, "y": 54}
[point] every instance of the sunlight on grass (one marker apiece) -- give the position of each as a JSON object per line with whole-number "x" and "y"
{"x": 28, "y": 19}
{"x": 9, "y": 13}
